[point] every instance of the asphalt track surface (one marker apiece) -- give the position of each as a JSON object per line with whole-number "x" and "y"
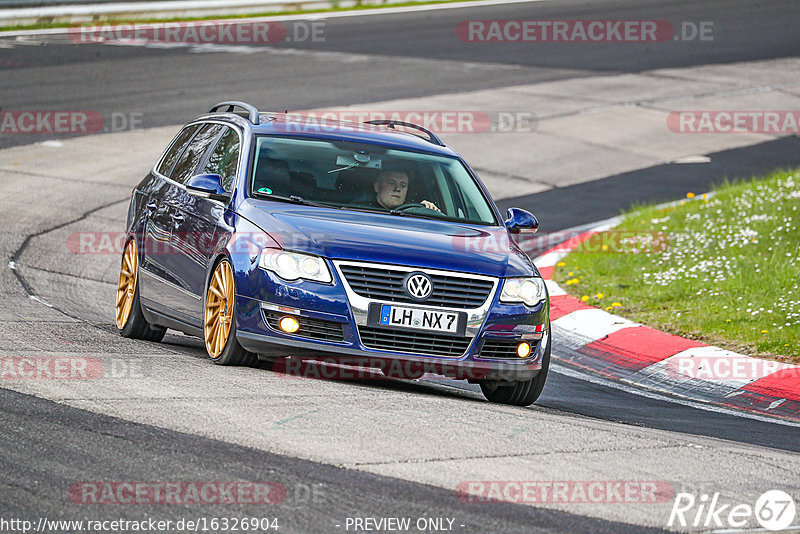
{"x": 387, "y": 57}
{"x": 41, "y": 450}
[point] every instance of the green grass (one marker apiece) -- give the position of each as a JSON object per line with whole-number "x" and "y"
{"x": 728, "y": 273}
{"x": 103, "y": 21}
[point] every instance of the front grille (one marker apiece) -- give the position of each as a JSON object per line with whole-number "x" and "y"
{"x": 414, "y": 342}
{"x": 503, "y": 348}
{"x": 309, "y": 328}
{"x": 387, "y": 284}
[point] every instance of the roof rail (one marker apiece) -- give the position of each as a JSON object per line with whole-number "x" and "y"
{"x": 251, "y": 109}
{"x": 432, "y": 137}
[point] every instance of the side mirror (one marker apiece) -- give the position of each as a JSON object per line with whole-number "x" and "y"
{"x": 207, "y": 186}
{"x": 520, "y": 221}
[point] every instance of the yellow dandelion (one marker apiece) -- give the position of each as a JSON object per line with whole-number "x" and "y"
{"x": 560, "y": 264}
{"x": 608, "y": 308}
{"x": 599, "y": 295}
{"x": 570, "y": 273}
{"x": 689, "y": 195}
{"x": 728, "y": 321}
{"x": 605, "y": 247}
{"x": 585, "y": 298}
{"x": 616, "y": 304}
{"x": 763, "y": 331}
{"x": 705, "y": 196}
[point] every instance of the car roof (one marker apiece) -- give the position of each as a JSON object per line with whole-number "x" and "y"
{"x": 306, "y": 126}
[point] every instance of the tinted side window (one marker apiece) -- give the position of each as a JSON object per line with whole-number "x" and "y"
{"x": 194, "y": 153}
{"x": 180, "y": 142}
{"x": 224, "y": 160}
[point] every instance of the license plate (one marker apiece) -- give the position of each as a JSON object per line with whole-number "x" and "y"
{"x": 400, "y": 316}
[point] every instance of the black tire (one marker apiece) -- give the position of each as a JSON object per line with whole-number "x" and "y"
{"x": 523, "y": 393}
{"x": 233, "y": 353}
{"x": 137, "y": 326}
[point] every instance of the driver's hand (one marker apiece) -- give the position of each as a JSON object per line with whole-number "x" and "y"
{"x": 430, "y": 205}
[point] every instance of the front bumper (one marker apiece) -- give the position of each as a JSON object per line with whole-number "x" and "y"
{"x": 336, "y": 326}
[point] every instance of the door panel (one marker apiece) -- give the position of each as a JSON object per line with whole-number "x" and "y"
{"x": 154, "y": 285}
{"x": 194, "y": 237}
{"x": 193, "y": 227}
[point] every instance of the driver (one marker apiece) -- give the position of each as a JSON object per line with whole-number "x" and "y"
{"x": 391, "y": 188}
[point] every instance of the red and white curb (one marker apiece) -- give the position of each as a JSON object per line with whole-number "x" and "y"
{"x": 614, "y": 347}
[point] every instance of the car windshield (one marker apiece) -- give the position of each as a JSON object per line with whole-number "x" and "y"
{"x": 363, "y": 176}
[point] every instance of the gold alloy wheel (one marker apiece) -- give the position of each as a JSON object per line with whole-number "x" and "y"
{"x": 126, "y": 287}
{"x": 219, "y": 309}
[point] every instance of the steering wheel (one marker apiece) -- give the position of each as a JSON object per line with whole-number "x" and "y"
{"x": 410, "y": 205}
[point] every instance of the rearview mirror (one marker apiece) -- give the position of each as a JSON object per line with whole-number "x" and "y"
{"x": 207, "y": 186}
{"x": 520, "y": 220}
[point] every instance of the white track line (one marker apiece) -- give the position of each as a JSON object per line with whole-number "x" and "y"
{"x": 593, "y": 324}
{"x": 658, "y": 395}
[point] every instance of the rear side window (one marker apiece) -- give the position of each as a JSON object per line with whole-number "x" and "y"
{"x": 224, "y": 159}
{"x": 191, "y": 157}
{"x": 180, "y": 142}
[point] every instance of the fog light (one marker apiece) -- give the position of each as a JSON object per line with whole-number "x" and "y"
{"x": 523, "y": 350}
{"x": 290, "y": 325}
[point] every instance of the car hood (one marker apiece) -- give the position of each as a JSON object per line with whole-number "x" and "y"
{"x": 383, "y": 238}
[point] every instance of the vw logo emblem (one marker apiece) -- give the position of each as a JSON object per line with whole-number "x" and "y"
{"x": 419, "y": 286}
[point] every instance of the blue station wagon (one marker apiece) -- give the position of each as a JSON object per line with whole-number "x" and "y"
{"x": 277, "y": 237}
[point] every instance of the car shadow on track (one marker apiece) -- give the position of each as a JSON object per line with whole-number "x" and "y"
{"x": 326, "y": 371}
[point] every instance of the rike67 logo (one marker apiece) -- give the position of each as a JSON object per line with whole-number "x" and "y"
{"x": 774, "y": 510}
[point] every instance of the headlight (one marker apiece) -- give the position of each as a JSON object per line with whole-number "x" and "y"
{"x": 294, "y": 265}
{"x": 528, "y": 290}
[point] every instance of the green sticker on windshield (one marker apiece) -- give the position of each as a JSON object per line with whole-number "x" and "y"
{"x": 266, "y": 190}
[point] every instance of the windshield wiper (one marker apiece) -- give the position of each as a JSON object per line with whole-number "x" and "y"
{"x": 294, "y": 199}
{"x": 390, "y": 212}
{"x": 402, "y": 213}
